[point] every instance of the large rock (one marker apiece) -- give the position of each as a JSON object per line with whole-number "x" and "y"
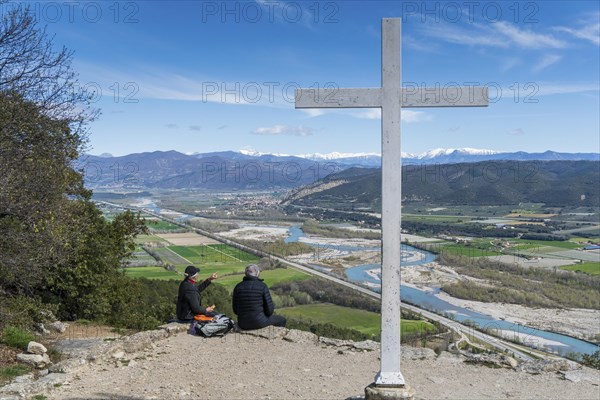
{"x": 58, "y": 326}
{"x": 368, "y": 345}
{"x": 36, "y": 348}
{"x": 69, "y": 365}
{"x": 174, "y": 327}
{"x": 335, "y": 342}
{"x": 583, "y": 374}
{"x": 40, "y": 328}
{"x": 491, "y": 360}
{"x": 539, "y": 366}
{"x": 36, "y": 360}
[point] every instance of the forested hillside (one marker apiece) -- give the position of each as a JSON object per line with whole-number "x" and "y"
{"x": 555, "y": 183}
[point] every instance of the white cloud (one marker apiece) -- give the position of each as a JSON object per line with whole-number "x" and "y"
{"x": 547, "y": 88}
{"x": 284, "y": 130}
{"x": 165, "y": 85}
{"x": 313, "y": 112}
{"x": 528, "y": 39}
{"x": 371, "y": 113}
{"x": 414, "y": 116}
{"x": 588, "y": 30}
{"x": 405, "y": 115}
{"x": 546, "y": 61}
{"x": 457, "y": 35}
{"x": 517, "y": 132}
{"x": 510, "y": 63}
{"x": 500, "y": 34}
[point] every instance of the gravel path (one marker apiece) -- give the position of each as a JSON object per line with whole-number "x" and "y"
{"x": 248, "y": 367}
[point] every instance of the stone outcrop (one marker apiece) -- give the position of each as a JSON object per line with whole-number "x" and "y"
{"x": 492, "y": 360}
{"x": 539, "y": 366}
{"x": 25, "y": 386}
{"x": 36, "y": 348}
{"x": 36, "y": 356}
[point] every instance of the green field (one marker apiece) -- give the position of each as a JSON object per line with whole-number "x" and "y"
{"x": 218, "y": 258}
{"x": 270, "y": 277}
{"x": 436, "y": 218}
{"x": 234, "y": 252}
{"x": 363, "y": 321}
{"x": 218, "y": 253}
{"x": 477, "y": 249}
{"x": 141, "y": 239}
{"x": 160, "y": 225}
{"x": 529, "y": 244}
{"x": 592, "y": 268}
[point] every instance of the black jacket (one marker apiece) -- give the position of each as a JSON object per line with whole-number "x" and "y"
{"x": 252, "y": 303}
{"x": 189, "y": 300}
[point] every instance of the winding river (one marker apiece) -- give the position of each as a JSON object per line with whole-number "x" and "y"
{"x": 549, "y": 341}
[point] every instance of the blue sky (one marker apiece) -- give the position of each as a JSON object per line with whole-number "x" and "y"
{"x": 209, "y": 76}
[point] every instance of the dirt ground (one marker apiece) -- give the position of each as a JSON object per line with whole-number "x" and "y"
{"x": 186, "y": 239}
{"x": 247, "y": 367}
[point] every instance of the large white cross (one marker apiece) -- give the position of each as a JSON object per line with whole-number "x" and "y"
{"x": 390, "y": 98}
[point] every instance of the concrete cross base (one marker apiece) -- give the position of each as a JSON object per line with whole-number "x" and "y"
{"x": 373, "y": 392}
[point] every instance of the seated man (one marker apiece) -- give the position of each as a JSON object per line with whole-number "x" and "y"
{"x": 189, "y": 297}
{"x": 252, "y": 302}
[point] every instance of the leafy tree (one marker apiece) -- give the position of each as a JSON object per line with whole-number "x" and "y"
{"x": 56, "y": 249}
{"x": 30, "y": 66}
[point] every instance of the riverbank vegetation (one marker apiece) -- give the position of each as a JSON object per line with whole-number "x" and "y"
{"x": 533, "y": 287}
{"x": 313, "y": 227}
{"x": 278, "y": 247}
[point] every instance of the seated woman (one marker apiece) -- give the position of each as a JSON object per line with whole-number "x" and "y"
{"x": 189, "y": 298}
{"x": 253, "y": 304}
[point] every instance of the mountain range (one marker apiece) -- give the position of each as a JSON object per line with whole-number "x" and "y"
{"x": 248, "y": 170}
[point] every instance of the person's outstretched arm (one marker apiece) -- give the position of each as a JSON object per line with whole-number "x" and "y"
{"x": 207, "y": 282}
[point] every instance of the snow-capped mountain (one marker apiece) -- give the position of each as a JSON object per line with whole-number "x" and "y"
{"x": 446, "y": 152}
{"x": 437, "y": 156}
{"x": 336, "y": 155}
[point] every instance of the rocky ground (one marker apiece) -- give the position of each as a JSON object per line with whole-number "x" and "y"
{"x": 286, "y": 364}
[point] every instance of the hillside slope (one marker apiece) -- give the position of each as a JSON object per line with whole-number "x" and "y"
{"x": 250, "y": 367}
{"x": 560, "y": 183}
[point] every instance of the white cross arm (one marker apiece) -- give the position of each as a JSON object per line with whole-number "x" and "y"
{"x": 410, "y": 97}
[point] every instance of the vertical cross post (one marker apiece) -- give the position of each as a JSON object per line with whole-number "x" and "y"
{"x": 390, "y": 98}
{"x": 391, "y": 193}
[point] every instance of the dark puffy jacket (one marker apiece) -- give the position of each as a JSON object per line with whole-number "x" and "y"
{"x": 189, "y": 300}
{"x": 252, "y": 303}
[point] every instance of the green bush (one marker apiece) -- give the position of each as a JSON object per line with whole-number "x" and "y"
{"x": 8, "y": 373}
{"x": 591, "y": 360}
{"x": 329, "y": 330}
{"x": 16, "y": 337}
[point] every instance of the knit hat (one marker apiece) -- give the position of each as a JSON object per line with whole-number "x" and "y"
{"x": 191, "y": 271}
